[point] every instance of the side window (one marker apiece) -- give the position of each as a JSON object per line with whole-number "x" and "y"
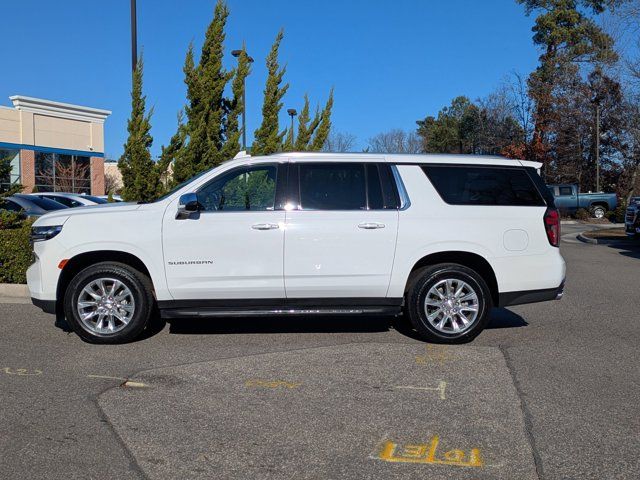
{"x": 468, "y": 185}
{"x": 332, "y": 186}
{"x": 63, "y": 200}
{"x": 565, "y": 191}
{"x": 243, "y": 189}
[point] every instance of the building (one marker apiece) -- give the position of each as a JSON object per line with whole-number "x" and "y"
{"x": 112, "y": 176}
{"x": 53, "y": 146}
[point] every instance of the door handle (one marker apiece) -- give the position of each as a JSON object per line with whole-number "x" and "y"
{"x": 370, "y": 225}
{"x": 265, "y": 226}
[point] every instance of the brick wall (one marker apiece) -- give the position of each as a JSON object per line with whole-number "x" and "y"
{"x": 97, "y": 176}
{"x": 27, "y": 170}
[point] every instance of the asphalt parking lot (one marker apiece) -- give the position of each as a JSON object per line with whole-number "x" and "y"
{"x": 548, "y": 391}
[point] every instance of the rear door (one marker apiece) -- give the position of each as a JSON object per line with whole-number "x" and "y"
{"x": 341, "y": 229}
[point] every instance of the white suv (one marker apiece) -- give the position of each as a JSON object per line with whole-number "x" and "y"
{"x": 442, "y": 238}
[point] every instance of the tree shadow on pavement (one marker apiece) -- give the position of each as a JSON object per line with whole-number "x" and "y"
{"x": 503, "y": 318}
{"x": 631, "y": 250}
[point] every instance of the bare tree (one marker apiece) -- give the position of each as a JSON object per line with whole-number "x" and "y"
{"x": 395, "y": 141}
{"x": 111, "y": 183}
{"x": 339, "y": 142}
{"x": 67, "y": 177}
{"x": 624, "y": 26}
{"x": 521, "y": 105}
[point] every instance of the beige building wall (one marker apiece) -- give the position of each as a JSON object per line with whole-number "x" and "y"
{"x": 9, "y": 125}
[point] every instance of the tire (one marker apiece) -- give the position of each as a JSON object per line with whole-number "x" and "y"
{"x": 598, "y": 211}
{"x": 423, "y": 285}
{"x": 132, "y": 301}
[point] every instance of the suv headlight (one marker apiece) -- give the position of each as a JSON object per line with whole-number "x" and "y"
{"x": 39, "y": 234}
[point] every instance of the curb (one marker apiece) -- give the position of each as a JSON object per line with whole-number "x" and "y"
{"x": 14, "y": 290}
{"x": 596, "y": 241}
{"x": 584, "y": 239}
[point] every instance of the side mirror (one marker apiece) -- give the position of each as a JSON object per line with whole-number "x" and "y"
{"x": 187, "y": 205}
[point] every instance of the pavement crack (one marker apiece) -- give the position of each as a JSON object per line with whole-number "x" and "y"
{"x": 526, "y": 414}
{"x": 133, "y": 461}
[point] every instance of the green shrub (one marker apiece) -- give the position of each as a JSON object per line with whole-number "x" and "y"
{"x": 15, "y": 253}
{"x": 10, "y": 219}
{"x": 582, "y": 214}
{"x": 617, "y": 215}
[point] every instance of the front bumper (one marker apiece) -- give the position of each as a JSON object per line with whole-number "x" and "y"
{"x": 47, "y": 306}
{"x": 507, "y": 299}
{"x": 632, "y": 230}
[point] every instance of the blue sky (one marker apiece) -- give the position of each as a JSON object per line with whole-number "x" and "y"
{"x": 391, "y": 62}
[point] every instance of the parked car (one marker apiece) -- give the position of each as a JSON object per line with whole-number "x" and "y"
{"x": 70, "y": 200}
{"x": 632, "y": 217}
{"x": 568, "y": 200}
{"x": 31, "y": 206}
{"x": 442, "y": 238}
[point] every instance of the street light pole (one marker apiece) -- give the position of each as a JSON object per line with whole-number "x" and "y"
{"x": 597, "y": 147}
{"x": 134, "y": 37}
{"x": 237, "y": 53}
{"x": 292, "y": 112}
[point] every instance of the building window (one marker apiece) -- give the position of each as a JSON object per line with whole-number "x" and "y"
{"x": 9, "y": 168}
{"x": 57, "y": 172}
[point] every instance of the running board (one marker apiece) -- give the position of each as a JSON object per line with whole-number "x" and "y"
{"x": 170, "y": 313}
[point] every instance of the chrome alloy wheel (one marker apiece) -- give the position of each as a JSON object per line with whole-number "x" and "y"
{"x": 451, "y": 306}
{"x": 105, "y": 305}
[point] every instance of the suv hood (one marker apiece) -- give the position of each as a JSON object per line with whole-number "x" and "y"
{"x": 59, "y": 217}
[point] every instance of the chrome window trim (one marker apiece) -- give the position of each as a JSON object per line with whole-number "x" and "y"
{"x": 405, "y": 201}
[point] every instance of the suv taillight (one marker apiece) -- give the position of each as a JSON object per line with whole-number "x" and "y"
{"x": 552, "y": 226}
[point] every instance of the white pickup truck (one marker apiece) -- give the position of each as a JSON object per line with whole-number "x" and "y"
{"x": 441, "y": 238}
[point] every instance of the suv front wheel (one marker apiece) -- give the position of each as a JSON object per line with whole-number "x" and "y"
{"x": 448, "y": 303}
{"x": 109, "y": 302}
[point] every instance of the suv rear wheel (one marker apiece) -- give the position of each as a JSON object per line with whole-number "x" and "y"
{"x": 109, "y": 302}
{"x": 448, "y": 303}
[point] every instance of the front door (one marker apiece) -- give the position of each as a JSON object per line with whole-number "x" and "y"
{"x": 340, "y": 232}
{"x": 233, "y": 247}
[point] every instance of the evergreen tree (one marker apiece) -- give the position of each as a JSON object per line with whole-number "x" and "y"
{"x": 139, "y": 175}
{"x": 306, "y": 129}
{"x": 324, "y": 127}
{"x": 205, "y": 126}
{"x": 235, "y": 106}
{"x": 8, "y": 188}
{"x": 268, "y": 138}
{"x": 287, "y": 145}
{"x": 170, "y": 155}
{"x": 184, "y": 165}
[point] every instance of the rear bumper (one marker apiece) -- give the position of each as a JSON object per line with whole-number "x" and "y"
{"x": 47, "y": 306}
{"x": 507, "y": 299}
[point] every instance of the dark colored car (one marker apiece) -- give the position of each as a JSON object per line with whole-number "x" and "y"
{"x": 632, "y": 218}
{"x": 30, "y": 205}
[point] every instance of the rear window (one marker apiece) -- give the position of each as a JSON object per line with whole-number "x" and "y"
{"x": 484, "y": 185}
{"x": 46, "y": 204}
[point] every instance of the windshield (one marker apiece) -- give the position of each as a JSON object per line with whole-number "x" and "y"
{"x": 178, "y": 187}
